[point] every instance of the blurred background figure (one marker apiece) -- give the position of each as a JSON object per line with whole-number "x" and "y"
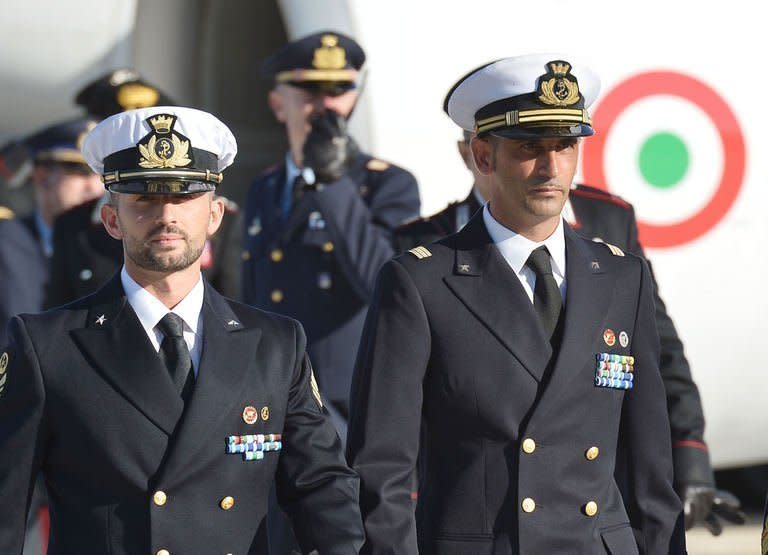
{"x": 61, "y": 180}
{"x": 319, "y": 225}
{"x": 84, "y": 255}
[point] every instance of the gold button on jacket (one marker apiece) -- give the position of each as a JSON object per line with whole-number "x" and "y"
{"x": 159, "y": 498}
{"x": 529, "y": 446}
{"x": 592, "y": 453}
{"x": 227, "y": 503}
{"x": 529, "y": 505}
{"x": 590, "y": 509}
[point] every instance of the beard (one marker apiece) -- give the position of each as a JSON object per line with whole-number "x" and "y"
{"x": 146, "y": 255}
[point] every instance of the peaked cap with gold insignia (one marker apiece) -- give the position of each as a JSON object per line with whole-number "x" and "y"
{"x": 327, "y": 61}
{"x": 531, "y": 96}
{"x": 120, "y": 90}
{"x": 60, "y": 143}
{"x": 161, "y": 150}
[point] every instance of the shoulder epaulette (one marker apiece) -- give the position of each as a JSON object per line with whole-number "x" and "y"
{"x": 615, "y": 251}
{"x": 420, "y": 252}
{"x": 376, "y": 165}
{"x": 599, "y": 194}
{"x": 6, "y": 213}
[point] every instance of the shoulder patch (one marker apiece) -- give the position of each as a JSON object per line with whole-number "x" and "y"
{"x": 420, "y": 252}
{"x": 615, "y": 251}
{"x": 6, "y": 213}
{"x": 376, "y": 165}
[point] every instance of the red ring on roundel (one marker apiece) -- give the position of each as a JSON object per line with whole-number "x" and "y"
{"x": 675, "y": 84}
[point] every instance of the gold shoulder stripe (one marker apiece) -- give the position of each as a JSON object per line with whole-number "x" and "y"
{"x": 377, "y": 165}
{"x": 420, "y": 252}
{"x": 315, "y": 389}
{"x": 3, "y": 374}
{"x": 6, "y": 213}
{"x": 615, "y": 251}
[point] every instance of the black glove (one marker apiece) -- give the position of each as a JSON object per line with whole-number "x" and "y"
{"x": 329, "y": 150}
{"x": 704, "y": 504}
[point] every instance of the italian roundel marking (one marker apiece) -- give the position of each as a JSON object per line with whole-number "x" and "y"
{"x": 686, "y": 148}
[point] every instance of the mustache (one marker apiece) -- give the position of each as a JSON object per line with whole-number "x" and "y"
{"x": 163, "y": 229}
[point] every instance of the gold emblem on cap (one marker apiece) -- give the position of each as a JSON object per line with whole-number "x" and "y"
{"x": 330, "y": 55}
{"x": 135, "y": 95}
{"x": 164, "y": 149}
{"x": 558, "y": 88}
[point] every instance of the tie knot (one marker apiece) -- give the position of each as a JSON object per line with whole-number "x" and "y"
{"x": 539, "y": 261}
{"x": 172, "y": 325}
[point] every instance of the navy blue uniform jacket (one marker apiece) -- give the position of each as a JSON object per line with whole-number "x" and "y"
{"x": 86, "y": 400}
{"x": 319, "y": 265}
{"x": 452, "y": 343}
{"x": 602, "y": 216}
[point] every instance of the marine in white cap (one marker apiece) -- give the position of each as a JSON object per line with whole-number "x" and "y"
{"x": 516, "y": 361}
{"x": 160, "y": 413}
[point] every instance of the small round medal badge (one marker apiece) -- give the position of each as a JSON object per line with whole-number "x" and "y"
{"x": 250, "y": 415}
{"x": 609, "y": 337}
{"x": 623, "y": 339}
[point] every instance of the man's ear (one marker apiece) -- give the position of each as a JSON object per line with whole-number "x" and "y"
{"x": 275, "y": 100}
{"x": 111, "y": 224}
{"x": 217, "y": 215}
{"x": 482, "y": 152}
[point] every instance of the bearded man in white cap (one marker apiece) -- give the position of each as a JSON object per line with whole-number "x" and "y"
{"x": 158, "y": 411}
{"x": 517, "y": 360}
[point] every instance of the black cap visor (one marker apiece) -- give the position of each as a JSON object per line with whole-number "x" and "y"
{"x": 543, "y": 131}
{"x": 161, "y": 187}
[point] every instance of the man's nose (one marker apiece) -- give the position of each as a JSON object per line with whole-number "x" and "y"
{"x": 548, "y": 163}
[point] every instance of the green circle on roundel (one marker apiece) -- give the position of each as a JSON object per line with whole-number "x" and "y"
{"x": 663, "y": 160}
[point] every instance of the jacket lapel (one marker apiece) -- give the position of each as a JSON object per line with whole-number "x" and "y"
{"x": 228, "y": 352}
{"x": 116, "y": 344}
{"x": 589, "y": 294}
{"x": 486, "y": 284}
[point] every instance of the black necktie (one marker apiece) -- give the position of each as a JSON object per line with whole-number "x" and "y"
{"x": 546, "y": 294}
{"x": 175, "y": 354}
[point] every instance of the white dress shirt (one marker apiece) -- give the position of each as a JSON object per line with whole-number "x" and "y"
{"x": 151, "y": 310}
{"x": 516, "y": 249}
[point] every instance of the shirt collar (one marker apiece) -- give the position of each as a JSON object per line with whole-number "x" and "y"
{"x": 150, "y": 309}
{"x": 291, "y": 170}
{"x": 45, "y": 232}
{"x": 516, "y": 249}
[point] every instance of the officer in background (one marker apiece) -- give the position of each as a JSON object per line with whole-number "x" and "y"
{"x": 319, "y": 226}
{"x": 601, "y": 216}
{"x": 61, "y": 180}
{"x": 85, "y": 256}
{"x": 160, "y": 412}
{"x": 527, "y": 354}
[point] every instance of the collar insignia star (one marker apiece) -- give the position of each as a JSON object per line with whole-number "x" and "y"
{"x": 595, "y": 265}
{"x": 101, "y": 319}
{"x": 464, "y": 268}
{"x": 233, "y": 323}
